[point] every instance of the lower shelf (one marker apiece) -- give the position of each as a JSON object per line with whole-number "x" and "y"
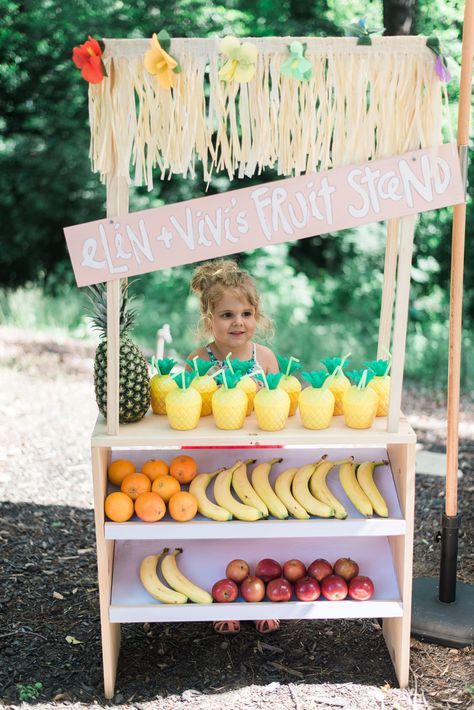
{"x": 205, "y": 563}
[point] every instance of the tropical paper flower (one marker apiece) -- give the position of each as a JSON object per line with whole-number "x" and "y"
{"x": 441, "y": 64}
{"x": 88, "y": 58}
{"x": 158, "y": 62}
{"x": 297, "y": 66}
{"x": 359, "y": 29}
{"x": 241, "y": 63}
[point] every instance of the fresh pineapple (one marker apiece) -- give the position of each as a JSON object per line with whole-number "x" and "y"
{"x": 288, "y": 382}
{"x": 316, "y": 402}
{"x": 203, "y": 383}
{"x": 339, "y": 383}
{"x": 380, "y": 383}
{"x": 134, "y": 386}
{"x": 161, "y": 383}
{"x": 245, "y": 383}
{"x": 183, "y": 404}
{"x": 229, "y": 403}
{"x": 271, "y": 404}
{"x": 360, "y": 402}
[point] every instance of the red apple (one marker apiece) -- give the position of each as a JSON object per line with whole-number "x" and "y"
{"x": 307, "y": 589}
{"x": 279, "y": 590}
{"x": 237, "y": 571}
{"x": 334, "y": 588}
{"x": 253, "y": 589}
{"x": 225, "y": 590}
{"x": 346, "y": 568}
{"x": 319, "y": 569}
{"x": 293, "y": 570}
{"x": 361, "y": 588}
{"x": 268, "y": 569}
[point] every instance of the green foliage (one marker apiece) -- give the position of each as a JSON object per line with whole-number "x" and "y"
{"x": 29, "y": 691}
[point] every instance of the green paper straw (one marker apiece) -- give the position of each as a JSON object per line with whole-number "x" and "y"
{"x": 224, "y": 378}
{"x": 294, "y": 359}
{"x": 195, "y": 364}
{"x": 362, "y": 380}
{"x": 183, "y": 380}
{"x": 227, "y": 359}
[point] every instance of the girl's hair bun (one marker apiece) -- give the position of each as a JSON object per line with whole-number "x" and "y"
{"x": 225, "y": 271}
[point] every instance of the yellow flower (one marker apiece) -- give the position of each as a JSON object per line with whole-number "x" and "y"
{"x": 159, "y": 63}
{"x": 241, "y": 63}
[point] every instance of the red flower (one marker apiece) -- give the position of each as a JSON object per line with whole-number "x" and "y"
{"x": 88, "y": 57}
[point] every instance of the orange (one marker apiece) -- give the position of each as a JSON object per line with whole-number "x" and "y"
{"x": 165, "y": 486}
{"x": 183, "y": 468}
{"x": 150, "y": 507}
{"x": 154, "y": 468}
{"x": 182, "y": 506}
{"x": 134, "y": 484}
{"x": 119, "y": 469}
{"x": 118, "y": 507}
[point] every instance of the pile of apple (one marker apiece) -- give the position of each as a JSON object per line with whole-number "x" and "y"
{"x": 278, "y": 583}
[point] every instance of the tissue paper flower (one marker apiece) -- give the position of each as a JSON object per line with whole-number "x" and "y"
{"x": 297, "y": 66}
{"x": 88, "y": 58}
{"x": 441, "y": 64}
{"x": 159, "y": 63}
{"x": 240, "y": 66}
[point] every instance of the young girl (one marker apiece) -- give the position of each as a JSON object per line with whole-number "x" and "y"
{"x": 230, "y": 314}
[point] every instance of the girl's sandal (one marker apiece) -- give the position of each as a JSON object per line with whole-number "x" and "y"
{"x": 267, "y": 626}
{"x": 226, "y": 627}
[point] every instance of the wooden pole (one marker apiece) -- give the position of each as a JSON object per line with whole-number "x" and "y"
{"x": 388, "y": 289}
{"x": 457, "y": 268}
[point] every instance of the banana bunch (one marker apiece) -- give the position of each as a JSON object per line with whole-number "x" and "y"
{"x": 359, "y": 486}
{"x": 180, "y": 588}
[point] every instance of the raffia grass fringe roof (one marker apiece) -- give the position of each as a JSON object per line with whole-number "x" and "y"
{"x": 362, "y": 102}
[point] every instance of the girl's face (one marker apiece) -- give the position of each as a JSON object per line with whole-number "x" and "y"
{"x": 233, "y": 321}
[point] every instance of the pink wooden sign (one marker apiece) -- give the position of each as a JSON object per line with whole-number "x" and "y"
{"x": 271, "y": 213}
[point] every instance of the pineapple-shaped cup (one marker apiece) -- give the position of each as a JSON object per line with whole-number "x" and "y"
{"x": 317, "y": 401}
{"x": 271, "y": 404}
{"x": 245, "y": 383}
{"x": 360, "y": 402}
{"x": 205, "y": 384}
{"x": 380, "y": 383}
{"x": 183, "y": 404}
{"x": 134, "y": 383}
{"x": 288, "y": 381}
{"x": 229, "y": 403}
{"x": 338, "y": 383}
{"x": 161, "y": 383}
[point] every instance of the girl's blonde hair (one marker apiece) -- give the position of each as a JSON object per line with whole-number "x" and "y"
{"x": 212, "y": 279}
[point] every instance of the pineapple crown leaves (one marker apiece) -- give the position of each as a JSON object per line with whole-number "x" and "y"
{"x": 229, "y": 379}
{"x": 316, "y": 379}
{"x": 331, "y": 363}
{"x": 240, "y": 367}
{"x": 271, "y": 380}
{"x": 183, "y": 379}
{"x": 288, "y": 365}
{"x": 199, "y": 366}
{"x": 380, "y": 368}
{"x": 97, "y": 295}
{"x": 164, "y": 365}
{"x": 361, "y": 378}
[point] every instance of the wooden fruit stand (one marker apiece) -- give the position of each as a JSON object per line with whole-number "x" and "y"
{"x": 384, "y": 546}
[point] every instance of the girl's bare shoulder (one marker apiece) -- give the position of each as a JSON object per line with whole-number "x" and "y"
{"x": 199, "y": 352}
{"x": 267, "y": 359}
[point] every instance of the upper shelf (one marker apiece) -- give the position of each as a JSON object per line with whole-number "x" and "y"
{"x": 154, "y": 430}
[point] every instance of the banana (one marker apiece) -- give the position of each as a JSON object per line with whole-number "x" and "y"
{"x": 364, "y": 475}
{"x": 224, "y": 497}
{"x": 262, "y": 485}
{"x": 283, "y": 491}
{"x": 179, "y": 582}
{"x": 206, "y": 507}
{"x": 347, "y": 476}
{"x": 245, "y": 491}
{"x": 302, "y": 493}
{"x": 320, "y": 489}
{"x": 153, "y": 584}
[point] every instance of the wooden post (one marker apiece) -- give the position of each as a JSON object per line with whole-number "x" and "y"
{"x": 401, "y": 319}
{"x": 117, "y": 203}
{"x": 388, "y": 288}
{"x": 457, "y": 268}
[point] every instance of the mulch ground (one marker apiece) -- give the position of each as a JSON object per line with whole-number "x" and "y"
{"x": 50, "y": 632}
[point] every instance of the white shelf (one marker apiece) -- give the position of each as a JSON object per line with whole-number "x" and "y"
{"x": 205, "y": 564}
{"x": 205, "y": 529}
{"x": 154, "y": 430}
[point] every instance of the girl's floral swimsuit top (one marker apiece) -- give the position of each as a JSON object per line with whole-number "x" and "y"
{"x": 223, "y": 364}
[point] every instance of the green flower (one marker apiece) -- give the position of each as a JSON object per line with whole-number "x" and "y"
{"x": 297, "y": 66}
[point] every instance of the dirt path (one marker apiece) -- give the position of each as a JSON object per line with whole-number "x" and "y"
{"x": 48, "y": 588}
